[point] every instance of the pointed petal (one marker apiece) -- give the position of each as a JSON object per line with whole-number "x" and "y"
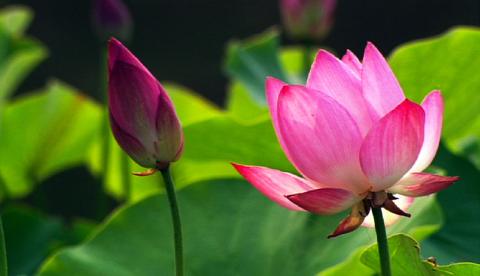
{"x": 353, "y": 221}
{"x": 132, "y": 146}
{"x": 275, "y": 184}
{"x": 322, "y": 139}
{"x": 379, "y": 84}
{"x": 169, "y": 143}
{"x": 433, "y": 107}
{"x": 392, "y": 145}
{"x": 273, "y": 87}
{"x": 403, "y": 202}
{"x": 332, "y": 77}
{"x": 422, "y": 184}
{"x": 118, "y": 52}
{"x": 133, "y": 94}
{"x": 325, "y": 201}
{"x": 352, "y": 61}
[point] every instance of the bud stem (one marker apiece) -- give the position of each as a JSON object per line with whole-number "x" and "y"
{"x": 177, "y": 227}
{"x": 3, "y": 251}
{"x": 382, "y": 241}
{"x": 307, "y": 59}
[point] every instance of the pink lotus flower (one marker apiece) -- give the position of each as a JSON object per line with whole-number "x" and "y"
{"x": 355, "y": 139}
{"x": 142, "y": 116}
{"x": 308, "y": 19}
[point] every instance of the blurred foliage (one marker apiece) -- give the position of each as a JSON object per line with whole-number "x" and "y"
{"x": 449, "y": 63}
{"x": 229, "y": 228}
{"x": 458, "y": 240}
{"x": 31, "y": 236}
{"x": 253, "y": 60}
{"x": 18, "y": 54}
{"x": 44, "y": 133}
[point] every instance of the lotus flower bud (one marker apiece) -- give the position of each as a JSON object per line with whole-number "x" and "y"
{"x": 142, "y": 116}
{"x": 308, "y": 19}
{"x": 112, "y": 18}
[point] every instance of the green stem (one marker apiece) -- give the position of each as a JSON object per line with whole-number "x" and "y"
{"x": 382, "y": 241}
{"x": 3, "y": 251}
{"x": 177, "y": 227}
{"x": 126, "y": 177}
{"x": 307, "y": 61}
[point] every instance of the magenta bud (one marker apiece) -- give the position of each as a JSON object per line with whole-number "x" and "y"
{"x": 308, "y": 19}
{"x": 112, "y": 18}
{"x": 142, "y": 115}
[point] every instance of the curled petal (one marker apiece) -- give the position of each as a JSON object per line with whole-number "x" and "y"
{"x": 275, "y": 184}
{"x": 390, "y": 206}
{"x": 332, "y": 77}
{"x": 351, "y": 60}
{"x": 325, "y": 201}
{"x": 422, "y": 184}
{"x": 392, "y": 145}
{"x": 433, "y": 107}
{"x": 353, "y": 221}
{"x": 321, "y": 137}
{"x": 145, "y": 173}
{"x": 403, "y": 203}
{"x": 379, "y": 84}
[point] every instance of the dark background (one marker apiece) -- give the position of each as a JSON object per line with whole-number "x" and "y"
{"x": 184, "y": 40}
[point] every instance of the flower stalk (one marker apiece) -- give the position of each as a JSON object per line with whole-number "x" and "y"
{"x": 382, "y": 241}
{"x": 3, "y": 252}
{"x": 177, "y": 226}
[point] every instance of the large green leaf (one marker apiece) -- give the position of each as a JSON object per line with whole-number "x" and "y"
{"x": 229, "y": 229}
{"x": 43, "y": 133}
{"x": 458, "y": 240}
{"x": 29, "y": 237}
{"x": 405, "y": 260}
{"x": 251, "y": 61}
{"x": 450, "y": 63}
{"x": 241, "y": 105}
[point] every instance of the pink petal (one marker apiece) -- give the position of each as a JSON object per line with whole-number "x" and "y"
{"x": 422, "y": 184}
{"x": 325, "y": 201}
{"x": 392, "y": 146}
{"x": 322, "y": 139}
{"x": 118, "y": 52}
{"x": 379, "y": 84}
{"x": 352, "y": 61}
{"x": 133, "y": 93}
{"x": 275, "y": 184}
{"x": 433, "y": 107}
{"x": 403, "y": 202}
{"x": 332, "y": 77}
{"x": 169, "y": 143}
{"x": 132, "y": 146}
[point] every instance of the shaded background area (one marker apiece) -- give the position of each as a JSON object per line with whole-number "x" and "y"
{"x": 184, "y": 41}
